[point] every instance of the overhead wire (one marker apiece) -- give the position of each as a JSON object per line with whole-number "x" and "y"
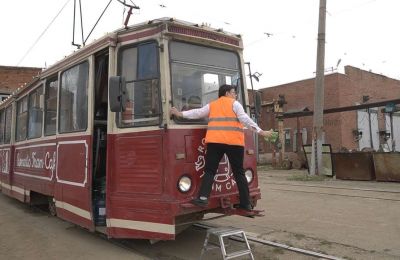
{"x": 41, "y": 35}
{"x": 101, "y": 15}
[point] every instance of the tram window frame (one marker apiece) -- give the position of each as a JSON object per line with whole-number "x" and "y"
{"x": 21, "y": 129}
{"x": 2, "y": 125}
{"x": 141, "y": 79}
{"x": 35, "y": 114}
{"x": 184, "y": 56}
{"x": 7, "y": 127}
{"x": 79, "y": 117}
{"x": 50, "y": 107}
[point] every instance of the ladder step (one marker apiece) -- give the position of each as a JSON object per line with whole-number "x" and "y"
{"x": 238, "y": 253}
{"x": 221, "y": 233}
{"x": 212, "y": 246}
{"x": 230, "y": 233}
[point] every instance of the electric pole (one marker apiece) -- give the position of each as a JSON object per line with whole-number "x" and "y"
{"x": 255, "y": 110}
{"x": 318, "y": 120}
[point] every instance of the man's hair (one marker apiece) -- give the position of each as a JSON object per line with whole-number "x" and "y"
{"x": 225, "y": 88}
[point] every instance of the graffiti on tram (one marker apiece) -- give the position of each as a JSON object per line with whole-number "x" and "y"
{"x": 223, "y": 180}
{"x": 40, "y": 160}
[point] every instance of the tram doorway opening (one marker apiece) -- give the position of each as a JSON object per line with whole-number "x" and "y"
{"x": 100, "y": 138}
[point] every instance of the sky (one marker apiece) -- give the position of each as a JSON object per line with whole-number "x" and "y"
{"x": 280, "y": 37}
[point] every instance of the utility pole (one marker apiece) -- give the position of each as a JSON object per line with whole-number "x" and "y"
{"x": 318, "y": 120}
{"x": 255, "y": 110}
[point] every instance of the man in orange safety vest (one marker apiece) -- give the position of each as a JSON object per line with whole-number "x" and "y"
{"x": 225, "y": 135}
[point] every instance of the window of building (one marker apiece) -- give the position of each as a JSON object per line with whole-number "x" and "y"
{"x": 139, "y": 67}
{"x": 50, "y": 106}
{"x": 287, "y": 138}
{"x": 22, "y": 118}
{"x": 35, "y": 112}
{"x": 73, "y": 99}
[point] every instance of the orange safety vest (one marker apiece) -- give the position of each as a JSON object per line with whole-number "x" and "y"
{"x": 223, "y": 125}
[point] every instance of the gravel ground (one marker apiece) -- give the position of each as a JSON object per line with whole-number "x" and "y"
{"x": 346, "y": 219}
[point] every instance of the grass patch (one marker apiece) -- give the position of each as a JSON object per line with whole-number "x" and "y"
{"x": 278, "y": 250}
{"x": 325, "y": 243}
{"x": 306, "y": 177}
{"x": 264, "y": 167}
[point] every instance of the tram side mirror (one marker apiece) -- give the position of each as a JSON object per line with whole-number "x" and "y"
{"x": 117, "y": 93}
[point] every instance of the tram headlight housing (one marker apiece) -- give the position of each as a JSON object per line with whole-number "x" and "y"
{"x": 184, "y": 183}
{"x": 249, "y": 175}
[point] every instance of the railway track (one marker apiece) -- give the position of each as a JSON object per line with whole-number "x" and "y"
{"x": 131, "y": 246}
{"x": 335, "y": 188}
{"x": 275, "y": 244}
{"x": 389, "y": 195}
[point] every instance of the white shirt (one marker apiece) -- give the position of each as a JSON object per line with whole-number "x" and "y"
{"x": 237, "y": 108}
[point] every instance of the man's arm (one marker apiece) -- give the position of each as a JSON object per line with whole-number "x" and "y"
{"x": 246, "y": 120}
{"x": 193, "y": 113}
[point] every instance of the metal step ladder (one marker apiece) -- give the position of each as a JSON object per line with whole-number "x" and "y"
{"x": 222, "y": 233}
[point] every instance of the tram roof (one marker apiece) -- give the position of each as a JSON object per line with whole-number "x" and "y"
{"x": 112, "y": 37}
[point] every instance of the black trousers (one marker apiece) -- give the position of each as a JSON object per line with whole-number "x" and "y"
{"x": 214, "y": 154}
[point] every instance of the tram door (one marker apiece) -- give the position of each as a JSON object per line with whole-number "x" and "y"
{"x": 100, "y": 138}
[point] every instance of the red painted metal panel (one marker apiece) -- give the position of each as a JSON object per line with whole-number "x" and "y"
{"x": 137, "y": 165}
{"x": 139, "y": 35}
{"x": 191, "y": 142}
{"x": 69, "y": 216}
{"x": 142, "y": 177}
{"x": 73, "y": 180}
{"x": 203, "y": 34}
{"x": 129, "y": 233}
{"x": 5, "y": 160}
{"x": 5, "y": 169}
{"x": 34, "y": 167}
{"x": 72, "y": 159}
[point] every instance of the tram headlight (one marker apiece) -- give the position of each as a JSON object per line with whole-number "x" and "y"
{"x": 184, "y": 183}
{"x": 249, "y": 175}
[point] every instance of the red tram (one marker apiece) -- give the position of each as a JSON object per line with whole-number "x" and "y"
{"x": 91, "y": 136}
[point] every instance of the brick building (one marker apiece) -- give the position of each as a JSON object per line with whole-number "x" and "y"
{"x": 345, "y": 130}
{"x": 13, "y": 77}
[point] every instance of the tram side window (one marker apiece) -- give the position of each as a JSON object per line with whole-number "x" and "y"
{"x": 50, "y": 110}
{"x": 7, "y": 127}
{"x": 22, "y": 116}
{"x": 2, "y": 125}
{"x": 35, "y": 112}
{"x": 139, "y": 66}
{"x": 73, "y": 99}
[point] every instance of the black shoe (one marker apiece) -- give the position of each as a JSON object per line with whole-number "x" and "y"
{"x": 199, "y": 202}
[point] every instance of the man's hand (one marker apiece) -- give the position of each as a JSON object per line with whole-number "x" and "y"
{"x": 266, "y": 133}
{"x": 174, "y": 112}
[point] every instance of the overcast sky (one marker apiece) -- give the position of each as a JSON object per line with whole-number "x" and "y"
{"x": 280, "y": 37}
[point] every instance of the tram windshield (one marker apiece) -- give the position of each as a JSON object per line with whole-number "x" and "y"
{"x": 197, "y": 72}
